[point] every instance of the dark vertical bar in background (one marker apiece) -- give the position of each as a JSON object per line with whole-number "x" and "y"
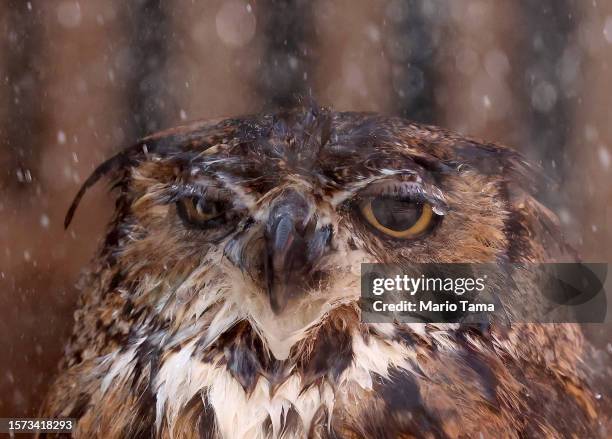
{"x": 24, "y": 94}
{"x": 148, "y": 29}
{"x": 548, "y": 80}
{"x": 411, "y": 48}
{"x": 285, "y": 70}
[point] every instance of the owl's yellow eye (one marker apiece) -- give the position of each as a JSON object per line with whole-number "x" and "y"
{"x": 199, "y": 211}
{"x": 400, "y": 219}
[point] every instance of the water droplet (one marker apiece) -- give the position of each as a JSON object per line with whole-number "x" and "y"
{"x": 373, "y": 33}
{"x": 69, "y": 14}
{"x": 293, "y": 62}
{"x": 235, "y": 24}
{"x": 591, "y": 133}
{"x": 439, "y": 211}
{"x": 24, "y": 175}
{"x": 486, "y": 101}
{"x": 607, "y": 31}
{"x": 61, "y": 137}
{"x": 604, "y": 157}
{"x": 565, "y": 216}
{"x": 544, "y": 96}
{"x": 44, "y": 221}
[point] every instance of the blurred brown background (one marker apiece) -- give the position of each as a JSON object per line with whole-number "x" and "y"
{"x": 81, "y": 79}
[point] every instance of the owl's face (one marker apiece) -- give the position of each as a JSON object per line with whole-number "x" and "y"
{"x": 269, "y": 218}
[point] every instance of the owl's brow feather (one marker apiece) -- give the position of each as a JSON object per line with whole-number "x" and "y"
{"x": 418, "y": 191}
{"x": 197, "y": 136}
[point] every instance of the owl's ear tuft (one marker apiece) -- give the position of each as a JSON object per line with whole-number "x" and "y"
{"x": 196, "y": 137}
{"x": 102, "y": 170}
{"x": 118, "y": 161}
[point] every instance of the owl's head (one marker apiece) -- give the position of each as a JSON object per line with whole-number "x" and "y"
{"x": 272, "y": 215}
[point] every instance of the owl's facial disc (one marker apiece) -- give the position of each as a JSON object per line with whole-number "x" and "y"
{"x": 282, "y": 242}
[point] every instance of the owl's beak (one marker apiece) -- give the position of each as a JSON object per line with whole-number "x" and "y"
{"x": 285, "y": 261}
{"x": 294, "y": 244}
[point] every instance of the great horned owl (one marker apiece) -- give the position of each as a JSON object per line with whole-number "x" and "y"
{"x": 223, "y": 301}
